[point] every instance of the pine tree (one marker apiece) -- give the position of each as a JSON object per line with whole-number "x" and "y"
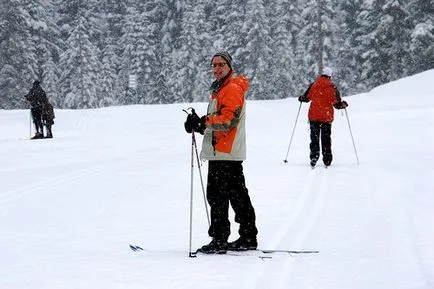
{"x": 202, "y": 61}
{"x": 50, "y": 78}
{"x": 349, "y": 57}
{"x": 257, "y": 49}
{"x": 109, "y": 83}
{"x": 17, "y": 71}
{"x": 168, "y": 15}
{"x": 386, "y": 42}
{"x": 422, "y": 35}
{"x": 127, "y": 46}
{"x": 284, "y": 69}
{"x": 79, "y": 62}
{"x": 312, "y": 39}
{"x": 111, "y": 20}
{"x": 46, "y": 46}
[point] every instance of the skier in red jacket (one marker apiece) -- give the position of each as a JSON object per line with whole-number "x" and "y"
{"x": 323, "y": 95}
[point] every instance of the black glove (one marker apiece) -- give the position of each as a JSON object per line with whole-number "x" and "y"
{"x": 341, "y": 105}
{"x": 201, "y": 126}
{"x": 194, "y": 123}
{"x": 303, "y": 98}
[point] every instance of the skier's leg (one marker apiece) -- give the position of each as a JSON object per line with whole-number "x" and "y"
{"x": 218, "y": 201}
{"x": 314, "y": 142}
{"x": 36, "y": 115}
{"x": 49, "y": 132}
{"x": 35, "y": 119}
{"x": 326, "y": 142}
{"x": 240, "y": 201}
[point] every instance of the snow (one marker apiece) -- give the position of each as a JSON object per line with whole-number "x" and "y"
{"x": 70, "y": 206}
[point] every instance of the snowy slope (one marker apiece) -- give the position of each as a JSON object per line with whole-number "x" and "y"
{"x": 70, "y": 206}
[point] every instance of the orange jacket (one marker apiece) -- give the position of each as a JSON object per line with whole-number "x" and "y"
{"x": 323, "y": 94}
{"x": 225, "y": 136}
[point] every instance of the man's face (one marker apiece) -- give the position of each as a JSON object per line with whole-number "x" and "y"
{"x": 220, "y": 67}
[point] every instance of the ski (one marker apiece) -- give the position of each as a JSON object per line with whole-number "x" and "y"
{"x": 260, "y": 253}
{"x": 251, "y": 253}
{"x": 288, "y": 251}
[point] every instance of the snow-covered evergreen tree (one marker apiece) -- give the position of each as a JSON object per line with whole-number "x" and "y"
{"x": 420, "y": 16}
{"x": 109, "y": 83}
{"x": 285, "y": 71}
{"x": 46, "y": 46}
{"x": 386, "y": 42}
{"x": 80, "y": 62}
{"x": 19, "y": 59}
{"x": 348, "y": 60}
{"x": 257, "y": 49}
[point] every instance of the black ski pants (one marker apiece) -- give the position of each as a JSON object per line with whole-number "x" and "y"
{"x": 226, "y": 185}
{"x": 321, "y": 130}
{"x": 37, "y": 119}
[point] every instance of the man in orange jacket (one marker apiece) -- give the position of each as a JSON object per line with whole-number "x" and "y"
{"x": 323, "y": 95}
{"x": 224, "y": 146}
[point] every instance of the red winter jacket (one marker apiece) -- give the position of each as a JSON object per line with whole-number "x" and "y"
{"x": 323, "y": 94}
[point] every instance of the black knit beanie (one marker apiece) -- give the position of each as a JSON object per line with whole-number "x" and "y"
{"x": 226, "y": 56}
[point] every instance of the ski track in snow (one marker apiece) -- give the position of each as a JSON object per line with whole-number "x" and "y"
{"x": 41, "y": 186}
{"x": 292, "y": 234}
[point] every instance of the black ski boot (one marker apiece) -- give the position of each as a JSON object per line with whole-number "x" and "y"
{"x": 313, "y": 162}
{"x": 215, "y": 247}
{"x": 243, "y": 244}
{"x": 38, "y": 135}
{"x": 327, "y": 160}
{"x": 49, "y": 133}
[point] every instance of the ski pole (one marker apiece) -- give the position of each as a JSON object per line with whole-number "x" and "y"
{"x": 191, "y": 254}
{"x": 193, "y": 140}
{"x": 30, "y": 123}
{"x": 194, "y": 149}
{"x": 349, "y": 126}
{"x": 292, "y": 135}
{"x": 201, "y": 179}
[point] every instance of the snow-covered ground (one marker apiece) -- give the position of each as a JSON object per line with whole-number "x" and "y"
{"x": 70, "y": 206}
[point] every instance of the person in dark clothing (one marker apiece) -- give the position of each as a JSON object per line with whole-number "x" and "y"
{"x": 224, "y": 146}
{"x": 323, "y": 95}
{"x": 48, "y": 118}
{"x": 41, "y": 110}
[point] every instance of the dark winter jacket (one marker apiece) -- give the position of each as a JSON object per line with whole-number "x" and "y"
{"x": 37, "y": 97}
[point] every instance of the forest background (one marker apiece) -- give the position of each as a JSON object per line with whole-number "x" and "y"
{"x": 96, "y": 53}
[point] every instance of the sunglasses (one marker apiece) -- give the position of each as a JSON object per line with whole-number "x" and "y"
{"x": 218, "y": 64}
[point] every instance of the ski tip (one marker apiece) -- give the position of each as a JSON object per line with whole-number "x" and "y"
{"x": 136, "y": 248}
